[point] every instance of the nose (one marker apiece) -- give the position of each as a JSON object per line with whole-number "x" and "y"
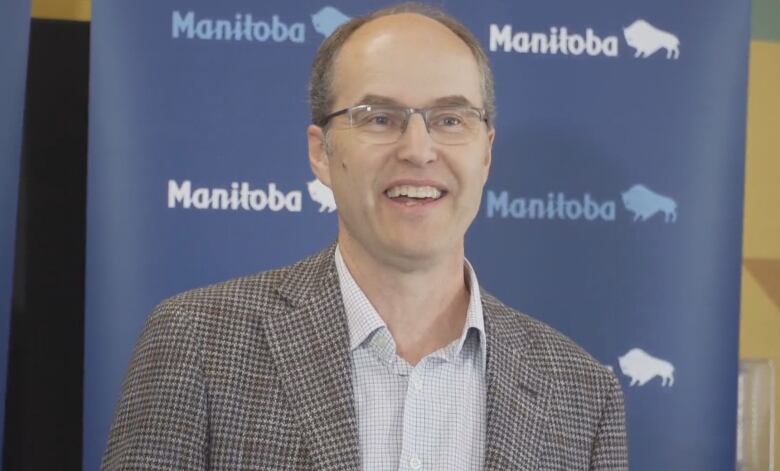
{"x": 415, "y": 144}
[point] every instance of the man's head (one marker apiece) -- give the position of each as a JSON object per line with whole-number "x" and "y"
{"x": 409, "y": 197}
{"x": 320, "y": 94}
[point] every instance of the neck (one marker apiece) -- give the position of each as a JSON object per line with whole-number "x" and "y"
{"x": 423, "y": 304}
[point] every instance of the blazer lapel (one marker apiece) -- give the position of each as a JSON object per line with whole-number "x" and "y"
{"x": 518, "y": 395}
{"x": 310, "y": 345}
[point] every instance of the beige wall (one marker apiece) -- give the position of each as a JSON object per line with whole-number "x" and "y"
{"x": 760, "y": 325}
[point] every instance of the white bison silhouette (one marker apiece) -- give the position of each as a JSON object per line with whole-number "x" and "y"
{"x": 641, "y": 367}
{"x": 644, "y": 203}
{"x": 647, "y": 39}
{"x": 327, "y": 20}
{"x": 321, "y": 194}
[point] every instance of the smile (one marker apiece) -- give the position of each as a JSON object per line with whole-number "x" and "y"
{"x": 412, "y": 194}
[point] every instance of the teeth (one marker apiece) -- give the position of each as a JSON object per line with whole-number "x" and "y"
{"x": 414, "y": 191}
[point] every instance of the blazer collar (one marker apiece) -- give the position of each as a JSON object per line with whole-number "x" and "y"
{"x": 310, "y": 343}
{"x": 519, "y": 395}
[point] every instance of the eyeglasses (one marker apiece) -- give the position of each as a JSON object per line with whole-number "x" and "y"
{"x": 384, "y": 124}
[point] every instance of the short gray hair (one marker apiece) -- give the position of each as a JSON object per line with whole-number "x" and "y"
{"x": 321, "y": 80}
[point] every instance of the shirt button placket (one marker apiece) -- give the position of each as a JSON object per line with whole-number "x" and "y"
{"x": 414, "y": 408}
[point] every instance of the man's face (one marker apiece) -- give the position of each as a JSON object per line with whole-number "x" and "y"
{"x": 412, "y": 61}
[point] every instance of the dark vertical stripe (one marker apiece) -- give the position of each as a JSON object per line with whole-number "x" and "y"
{"x": 43, "y": 402}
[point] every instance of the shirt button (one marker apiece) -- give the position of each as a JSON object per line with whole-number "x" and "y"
{"x": 415, "y": 463}
{"x": 418, "y": 384}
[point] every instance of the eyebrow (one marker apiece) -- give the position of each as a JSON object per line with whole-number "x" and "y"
{"x": 453, "y": 100}
{"x": 450, "y": 100}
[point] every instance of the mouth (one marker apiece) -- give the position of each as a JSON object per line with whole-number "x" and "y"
{"x": 411, "y": 195}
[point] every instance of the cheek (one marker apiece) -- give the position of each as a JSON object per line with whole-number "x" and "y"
{"x": 479, "y": 170}
{"x": 339, "y": 154}
{"x": 344, "y": 167}
{"x": 351, "y": 180}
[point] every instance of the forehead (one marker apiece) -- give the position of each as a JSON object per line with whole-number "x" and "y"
{"x": 410, "y": 58}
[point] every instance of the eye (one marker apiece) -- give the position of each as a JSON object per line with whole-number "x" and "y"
{"x": 374, "y": 119}
{"x": 379, "y": 119}
{"x": 449, "y": 120}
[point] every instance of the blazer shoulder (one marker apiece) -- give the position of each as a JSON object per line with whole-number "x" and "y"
{"x": 547, "y": 349}
{"x": 243, "y": 294}
{"x": 248, "y": 298}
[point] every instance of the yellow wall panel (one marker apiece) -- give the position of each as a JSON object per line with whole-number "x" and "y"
{"x": 77, "y": 10}
{"x": 760, "y": 310}
{"x": 762, "y": 174}
{"x": 759, "y": 336}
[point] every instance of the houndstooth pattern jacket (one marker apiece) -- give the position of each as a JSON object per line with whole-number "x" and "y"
{"x": 254, "y": 374}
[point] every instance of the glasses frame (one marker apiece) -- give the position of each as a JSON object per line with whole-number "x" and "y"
{"x": 423, "y": 112}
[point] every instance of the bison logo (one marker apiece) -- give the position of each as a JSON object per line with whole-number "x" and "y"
{"x": 645, "y": 203}
{"x": 321, "y": 194}
{"x": 641, "y": 367}
{"x": 647, "y": 39}
{"x": 327, "y": 20}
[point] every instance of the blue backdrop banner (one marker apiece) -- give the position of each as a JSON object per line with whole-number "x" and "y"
{"x": 14, "y": 36}
{"x": 614, "y": 209}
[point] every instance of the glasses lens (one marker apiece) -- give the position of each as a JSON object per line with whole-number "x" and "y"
{"x": 453, "y": 124}
{"x": 378, "y": 124}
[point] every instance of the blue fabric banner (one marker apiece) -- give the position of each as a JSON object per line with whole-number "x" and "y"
{"x": 613, "y": 211}
{"x": 14, "y": 39}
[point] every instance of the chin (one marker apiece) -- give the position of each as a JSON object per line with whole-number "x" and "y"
{"x": 418, "y": 250}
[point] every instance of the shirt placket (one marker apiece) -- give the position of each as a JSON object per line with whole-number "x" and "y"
{"x": 416, "y": 415}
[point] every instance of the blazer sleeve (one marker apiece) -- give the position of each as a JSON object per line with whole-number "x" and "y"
{"x": 610, "y": 447}
{"x": 161, "y": 421}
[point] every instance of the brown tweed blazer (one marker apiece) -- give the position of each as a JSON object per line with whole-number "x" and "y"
{"x": 254, "y": 373}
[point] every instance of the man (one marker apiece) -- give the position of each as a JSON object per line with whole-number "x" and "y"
{"x": 380, "y": 352}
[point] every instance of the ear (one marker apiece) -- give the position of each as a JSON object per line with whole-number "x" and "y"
{"x": 491, "y": 135}
{"x": 318, "y": 156}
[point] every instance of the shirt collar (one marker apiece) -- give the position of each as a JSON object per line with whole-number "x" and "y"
{"x": 474, "y": 316}
{"x": 363, "y": 319}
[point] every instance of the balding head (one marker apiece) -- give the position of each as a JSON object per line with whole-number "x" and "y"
{"x": 408, "y": 21}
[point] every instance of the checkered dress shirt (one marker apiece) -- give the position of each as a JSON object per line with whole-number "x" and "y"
{"x": 427, "y": 416}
